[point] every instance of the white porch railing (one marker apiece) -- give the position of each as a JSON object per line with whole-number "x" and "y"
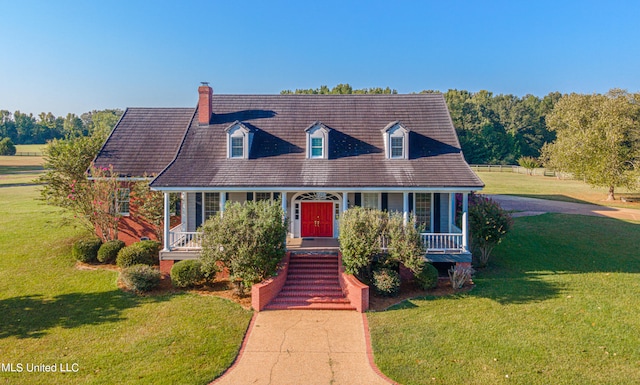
{"x": 443, "y": 242}
{"x": 436, "y": 242}
{"x": 185, "y": 240}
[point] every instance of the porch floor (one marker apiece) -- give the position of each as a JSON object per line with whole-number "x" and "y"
{"x": 310, "y": 244}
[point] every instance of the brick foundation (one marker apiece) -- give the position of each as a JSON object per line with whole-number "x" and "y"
{"x": 356, "y": 291}
{"x": 166, "y": 265}
{"x": 262, "y": 293}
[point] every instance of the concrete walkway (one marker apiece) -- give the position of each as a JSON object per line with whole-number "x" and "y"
{"x": 532, "y": 206}
{"x": 304, "y": 347}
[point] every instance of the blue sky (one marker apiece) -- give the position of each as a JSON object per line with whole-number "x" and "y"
{"x": 76, "y": 56}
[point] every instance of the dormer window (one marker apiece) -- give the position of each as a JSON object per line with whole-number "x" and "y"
{"x": 396, "y": 141}
{"x": 239, "y": 138}
{"x": 317, "y": 141}
{"x": 237, "y": 147}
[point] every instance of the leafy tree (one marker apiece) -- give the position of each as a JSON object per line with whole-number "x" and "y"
{"x": 7, "y": 147}
{"x": 149, "y": 205}
{"x": 489, "y": 224}
{"x": 249, "y": 240}
{"x": 597, "y": 139}
{"x": 8, "y": 126}
{"x": 340, "y": 89}
{"x": 529, "y": 163}
{"x": 25, "y": 125}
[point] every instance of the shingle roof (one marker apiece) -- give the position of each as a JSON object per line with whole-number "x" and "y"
{"x": 356, "y": 146}
{"x": 145, "y": 140}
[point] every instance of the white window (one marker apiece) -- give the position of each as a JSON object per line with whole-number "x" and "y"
{"x": 370, "y": 200}
{"x": 239, "y": 139}
{"x": 237, "y": 147}
{"x": 396, "y": 141}
{"x": 262, "y": 196}
{"x": 397, "y": 147}
{"x": 317, "y": 141}
{"x": 211, "y": 204}
{"x": 422, "y": 209}
{"x": 316, "y": 147}
{"x": 122, "y": 201}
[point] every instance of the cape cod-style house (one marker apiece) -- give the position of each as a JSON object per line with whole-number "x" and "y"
{"x": 320, "y": 154}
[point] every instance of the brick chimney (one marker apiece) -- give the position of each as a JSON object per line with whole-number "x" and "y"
{"x": 205, "y": 100}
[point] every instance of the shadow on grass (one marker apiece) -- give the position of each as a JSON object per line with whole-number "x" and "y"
{"x": 33, "y": 315}
{"x": 530, "y": 265}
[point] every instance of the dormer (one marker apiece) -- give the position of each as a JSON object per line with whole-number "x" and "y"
{"x": 396, "y": 141}
{"x": 239, "y": 139}
{"x": 317, "y": 141}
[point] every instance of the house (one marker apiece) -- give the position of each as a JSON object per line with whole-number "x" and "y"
{"x": 319, "y": 154}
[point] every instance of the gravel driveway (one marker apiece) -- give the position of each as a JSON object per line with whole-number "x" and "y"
{"x": 533, "y": 206}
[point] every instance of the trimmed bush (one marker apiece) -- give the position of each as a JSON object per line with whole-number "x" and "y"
{"x": 135, "y": 254}
{"x": 187, "y": 273}
{"x": 108, "y": 252}
{"x": 140, "y": 278}
{"x": 152, "y": 246}
{"x": 428, "y": 277}
{"x": 386, "y": 282}
{"x": 86, "y": 250}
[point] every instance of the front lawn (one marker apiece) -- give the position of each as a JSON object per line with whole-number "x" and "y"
{"x": 558, "y": 305}
{"x": 53, "y": 313}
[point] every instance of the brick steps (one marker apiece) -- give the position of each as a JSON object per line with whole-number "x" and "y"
{"x": 312, "y": 283}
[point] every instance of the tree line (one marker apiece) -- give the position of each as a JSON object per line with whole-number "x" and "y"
{"x": 22, "y": 128}
{"x": 492, "y": 129}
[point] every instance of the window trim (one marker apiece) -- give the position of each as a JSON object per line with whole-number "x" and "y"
{"x": 238, "y": 130}
{"x": 393, "y": 131}
{"x": 119, "y": 202}
{"x": 317, "y": 130}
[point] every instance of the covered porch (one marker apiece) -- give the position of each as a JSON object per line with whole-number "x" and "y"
{"x": 314, "y": 218}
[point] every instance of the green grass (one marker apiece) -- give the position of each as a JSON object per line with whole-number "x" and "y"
{"x": 52, "y": 313}
{"x": 558, "y": 305}
{"x": 20, "y": 170}
{"x": 30, "y": 147}
{"x": 552, "y": 188}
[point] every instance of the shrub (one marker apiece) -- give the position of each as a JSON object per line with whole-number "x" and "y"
{"x": 135, "y": 254}
{"x": 86, "y": 250}
{"x": 140, "y": 278}
{"x": 386, "y": 282}
{"x": 529, "y": 163}
{"x": 360, "y": 233}
{"x": 489, "y": 224}
{"x": 187, "y": 273}
{"x": 108, "y": 252}
{"x": 7, "y": 147}
{"x": 248, "y": 240}
{"x": 405, "y": 244}
{"x": 153, "y": 247}
{"x": 427, "y": 278}
{"x": 459, "y": 275}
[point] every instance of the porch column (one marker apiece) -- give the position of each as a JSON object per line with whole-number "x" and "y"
{"x": 283, "y": 196}
{"x": 465, "y": 221}
{"x": 167, "y": 222}
{"x": 345, "y": 201}
{"x": 405, "y": 207}
{"x": 223, "y": 201}
{"x": 184, "y": 208}
{"x": 452, "y": 211}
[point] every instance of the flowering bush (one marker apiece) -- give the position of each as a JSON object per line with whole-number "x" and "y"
{"x": 386, "y": 282}
{"x": 489, "y": 224}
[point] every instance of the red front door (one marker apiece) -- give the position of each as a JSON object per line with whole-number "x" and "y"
{"x": 317, "y": 219}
